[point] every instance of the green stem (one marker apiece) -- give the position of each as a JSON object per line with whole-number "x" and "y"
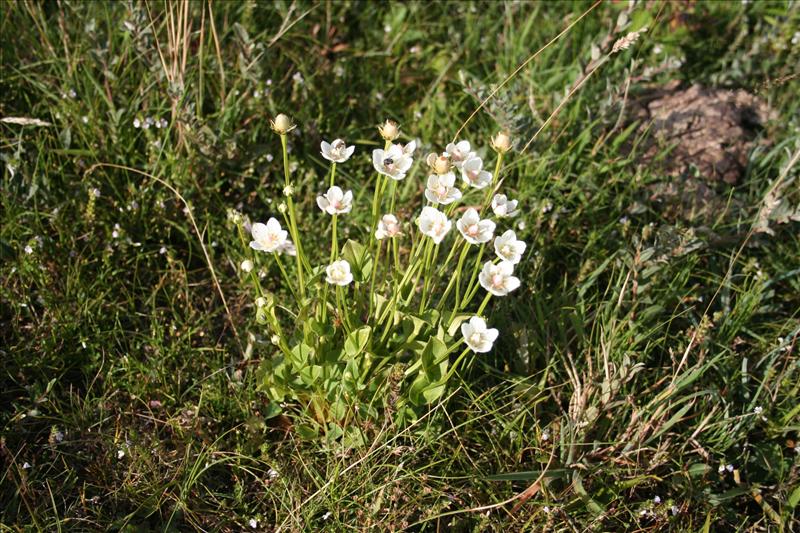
{"x": 456, "y": 279}
{"x": 484, "y": 303}
{"x": 293, "y": 220}
{"x": 472, "y": 279}
{"x": 491, "y": 188}
{"x": 333, "y": 172}
{"x": 372, "y": 295}
{"x": 334, "y": 241}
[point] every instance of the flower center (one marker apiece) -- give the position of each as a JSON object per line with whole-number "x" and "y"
{"x": 506, "y": 249}
{"x": 497, "y": 280}
{"x": 472, "y": 230}
{"x": 476, "y": 339}
{"x": 441, "y": 190}
{"x": 438, "y": 227}
{"x": 391, "y": 228}
{"x": 388, "y": 163}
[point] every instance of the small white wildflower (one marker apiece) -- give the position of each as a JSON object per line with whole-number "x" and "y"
{"x": 96, "y": 192}
{"x": 137, "y": 123}
{"x": 337, "y": 151}
{"x": 393, "y": 162}
{"x": 721, "y": 468}
{"x": 473, "y": 174}
{"x": 72, "y": 93}
{"x": 270, "y": 158}
{"x": 459, "y": 153}
{"x": 85, "y": 119}
{"x": 546, "y": 509}
{"x": 298, "y": 78}
{"x": 26, "y": 465}
{"x": 247, "y": 266}
{"x": 547, "y": 206}
{"x": 729, "y": 468}
{"x": 272, "y": 473}
{"x": 441, "y": 190}
{"x": 434, "y": 224}
{"x": 657, "y": 500}
{"x": 503, "y": 207}
{"x": 163, "y": 123}
{"x": 388, "y": 227}
{"x": 758, "y": 410}
{"x": 338, "y": 273}
{"x": 288, "y": 190}
{"x": 327, "y": 515}
{"x": 253, "y": 523}
{"x": 498, "y": 279}
{"x": 261, "y": 301}
{"x": 478, "y": 337}
{"x": 335, "y": 201}
{"x": 387, "y": 28}
{"x": 545, "y": 436}
{"x": 674, "y": 510}
{"x": 268, "y": 237}
{"x": 162, "y": 250}
{"x": 508, "y": 248}
{"x": 120, "y": 453}
{"x": 473, "y": 229}
{"x": 28, "y": 249}
{"x": 276, "y": 340}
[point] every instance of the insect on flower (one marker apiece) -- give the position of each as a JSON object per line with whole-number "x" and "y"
{"x": 338, "y": 273}
{"x": 337, "y": 151}
{"x": 478, "y": 337}
{"x": 473, "y": 229}
{"x": 335, "y": 201}
{"x": 434, "y": 224}
{"x": 498, "y": 279}
{"x": 508, "y": 248}
{"x": 393, "y": 162}
{"x": 269, "y": 237}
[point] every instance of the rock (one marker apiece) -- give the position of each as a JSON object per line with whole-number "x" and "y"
{"x": 709, "y": 132}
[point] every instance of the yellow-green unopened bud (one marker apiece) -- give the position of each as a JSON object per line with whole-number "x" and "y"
{"x": 389, "y": 130}
{"x": 282, "y": 124}
{"x": 439, "y": 164}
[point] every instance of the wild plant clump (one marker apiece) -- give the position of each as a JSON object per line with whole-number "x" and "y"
{"x": 379, "y": 326}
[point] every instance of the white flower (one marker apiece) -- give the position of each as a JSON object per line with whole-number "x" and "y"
{"x": 657, "y": 500}
{"x": 339, "y": 273}
{"x": 268, "y": 237}
{"x": 253, "y": 523}
{"x": 247, "y": 265}
{"x": 393, "y": 162}
{"x": 459, "y": 153}
{"x": 433, "y": 223}
{"x": 508, "y": 248}
{"x": 409, "y": 148}
{"x": 758, "y": 410}
{"x": 498, "y": 279}
{"x": 503, "y": 207}
{"x": 261, "y": 301}
{"x": 28, "y": 249}
{"x": 479, "y": 338}
{"x": 335, "y": 201}
{"x": 441, "y": 189}
{"x": 337, "y": 151}
{"x": 473, "y": 174}
{"x": 388, "y": 227}
{"x": 473, "y": 229}
{"x": 287, "y": 248}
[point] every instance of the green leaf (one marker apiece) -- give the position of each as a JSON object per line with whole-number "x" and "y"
{"x": 434, "y": 392}
{"x": 434, "y": 359}
{"x": 359, "y": 258}
{"x": 301, "y": 355}
{"x": 357, "y": 341}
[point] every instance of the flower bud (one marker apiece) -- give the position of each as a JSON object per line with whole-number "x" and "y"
{"x": 282, "y": 124}
{"x": 439, "y": 164}
{"x": 234, "y": 216}
{"x": 288, "y": 190}
{"x": 247, "y": 266}
{"x": 501, "y": 142}
{"x": 261, "y": 301}
{"x": 282, "y": 207}
{"x": 275, "y": 339}
{"x": 389, "y": 130}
